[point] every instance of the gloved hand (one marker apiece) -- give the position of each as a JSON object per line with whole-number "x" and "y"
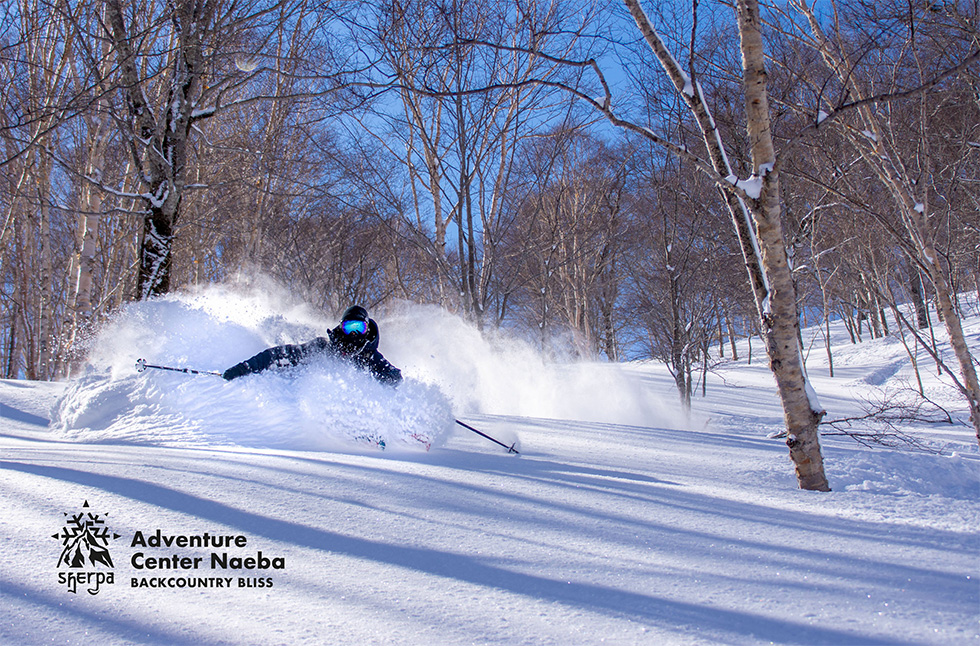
{"x": 237, "y": 370}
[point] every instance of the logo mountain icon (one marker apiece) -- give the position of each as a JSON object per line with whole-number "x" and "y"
{"x": 85, "y": 538}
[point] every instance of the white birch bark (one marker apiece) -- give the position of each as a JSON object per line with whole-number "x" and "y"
{"x": 802, "y": 413}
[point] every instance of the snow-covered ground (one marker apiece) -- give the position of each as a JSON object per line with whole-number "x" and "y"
{"x": 621, "y": 521}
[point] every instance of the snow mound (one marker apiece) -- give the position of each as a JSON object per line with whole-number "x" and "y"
{"x": 903, "y": 473}
{"x": 313, "y": 407}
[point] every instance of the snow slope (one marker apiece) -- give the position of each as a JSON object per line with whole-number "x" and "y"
{"x": 621, "y": 522}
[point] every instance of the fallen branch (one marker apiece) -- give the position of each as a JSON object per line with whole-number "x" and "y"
{"x": 883, "y": 419}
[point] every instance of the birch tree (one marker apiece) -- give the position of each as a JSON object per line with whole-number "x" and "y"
{"x": 755, "y": 208}
{"x": 905, "y": 178}
{"x": 41, "y": 91}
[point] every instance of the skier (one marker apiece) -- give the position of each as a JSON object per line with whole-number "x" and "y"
{"x": 355, "y": 340}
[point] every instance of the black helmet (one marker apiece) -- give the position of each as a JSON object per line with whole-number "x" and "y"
{"x": 355, "y": 313}
{"x": 355, "y": 321}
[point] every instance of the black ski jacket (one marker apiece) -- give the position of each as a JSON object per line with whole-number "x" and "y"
{"x": 363, "y": 355}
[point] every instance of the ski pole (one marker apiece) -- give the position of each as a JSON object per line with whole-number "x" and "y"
{"x": 510, "y": 449}
{"x": 142, "y": 365}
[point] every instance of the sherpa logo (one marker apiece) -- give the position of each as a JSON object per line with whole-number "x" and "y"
{"x": 85, "y": 551}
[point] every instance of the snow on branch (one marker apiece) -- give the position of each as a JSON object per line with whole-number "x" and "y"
{"x": 752, "y": 187}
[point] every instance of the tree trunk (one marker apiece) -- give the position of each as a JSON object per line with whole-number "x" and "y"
{"x": 45, "y": 314}
{"x": 721, "y": 337}
{"x": 956, "y": 337}
{"x": 679, "y": 352}
{"x": 918, "y": 298}
{"x": 159, "y": 144}
{"x": 10, "y": 365}
{"x": 153, "y": 278}
{"x": 731, "y": 337}
{"x": 802, "y": 413}
{"x": 830, "y": 352}
{"x": 704, "y": 370}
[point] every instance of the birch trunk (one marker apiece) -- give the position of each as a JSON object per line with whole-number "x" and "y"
{"x": 45, "y": 313}
{"x": 89, "y": 211}
{"x": 801, "y": 412}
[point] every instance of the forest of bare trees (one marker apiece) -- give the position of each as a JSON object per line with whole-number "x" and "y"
{"x": 628, "y": 179}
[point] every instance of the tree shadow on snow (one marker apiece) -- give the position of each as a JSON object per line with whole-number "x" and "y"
{"x": 662, "y": 611}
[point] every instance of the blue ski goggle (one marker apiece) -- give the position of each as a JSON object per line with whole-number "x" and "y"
{"x": 354, "y": 326}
